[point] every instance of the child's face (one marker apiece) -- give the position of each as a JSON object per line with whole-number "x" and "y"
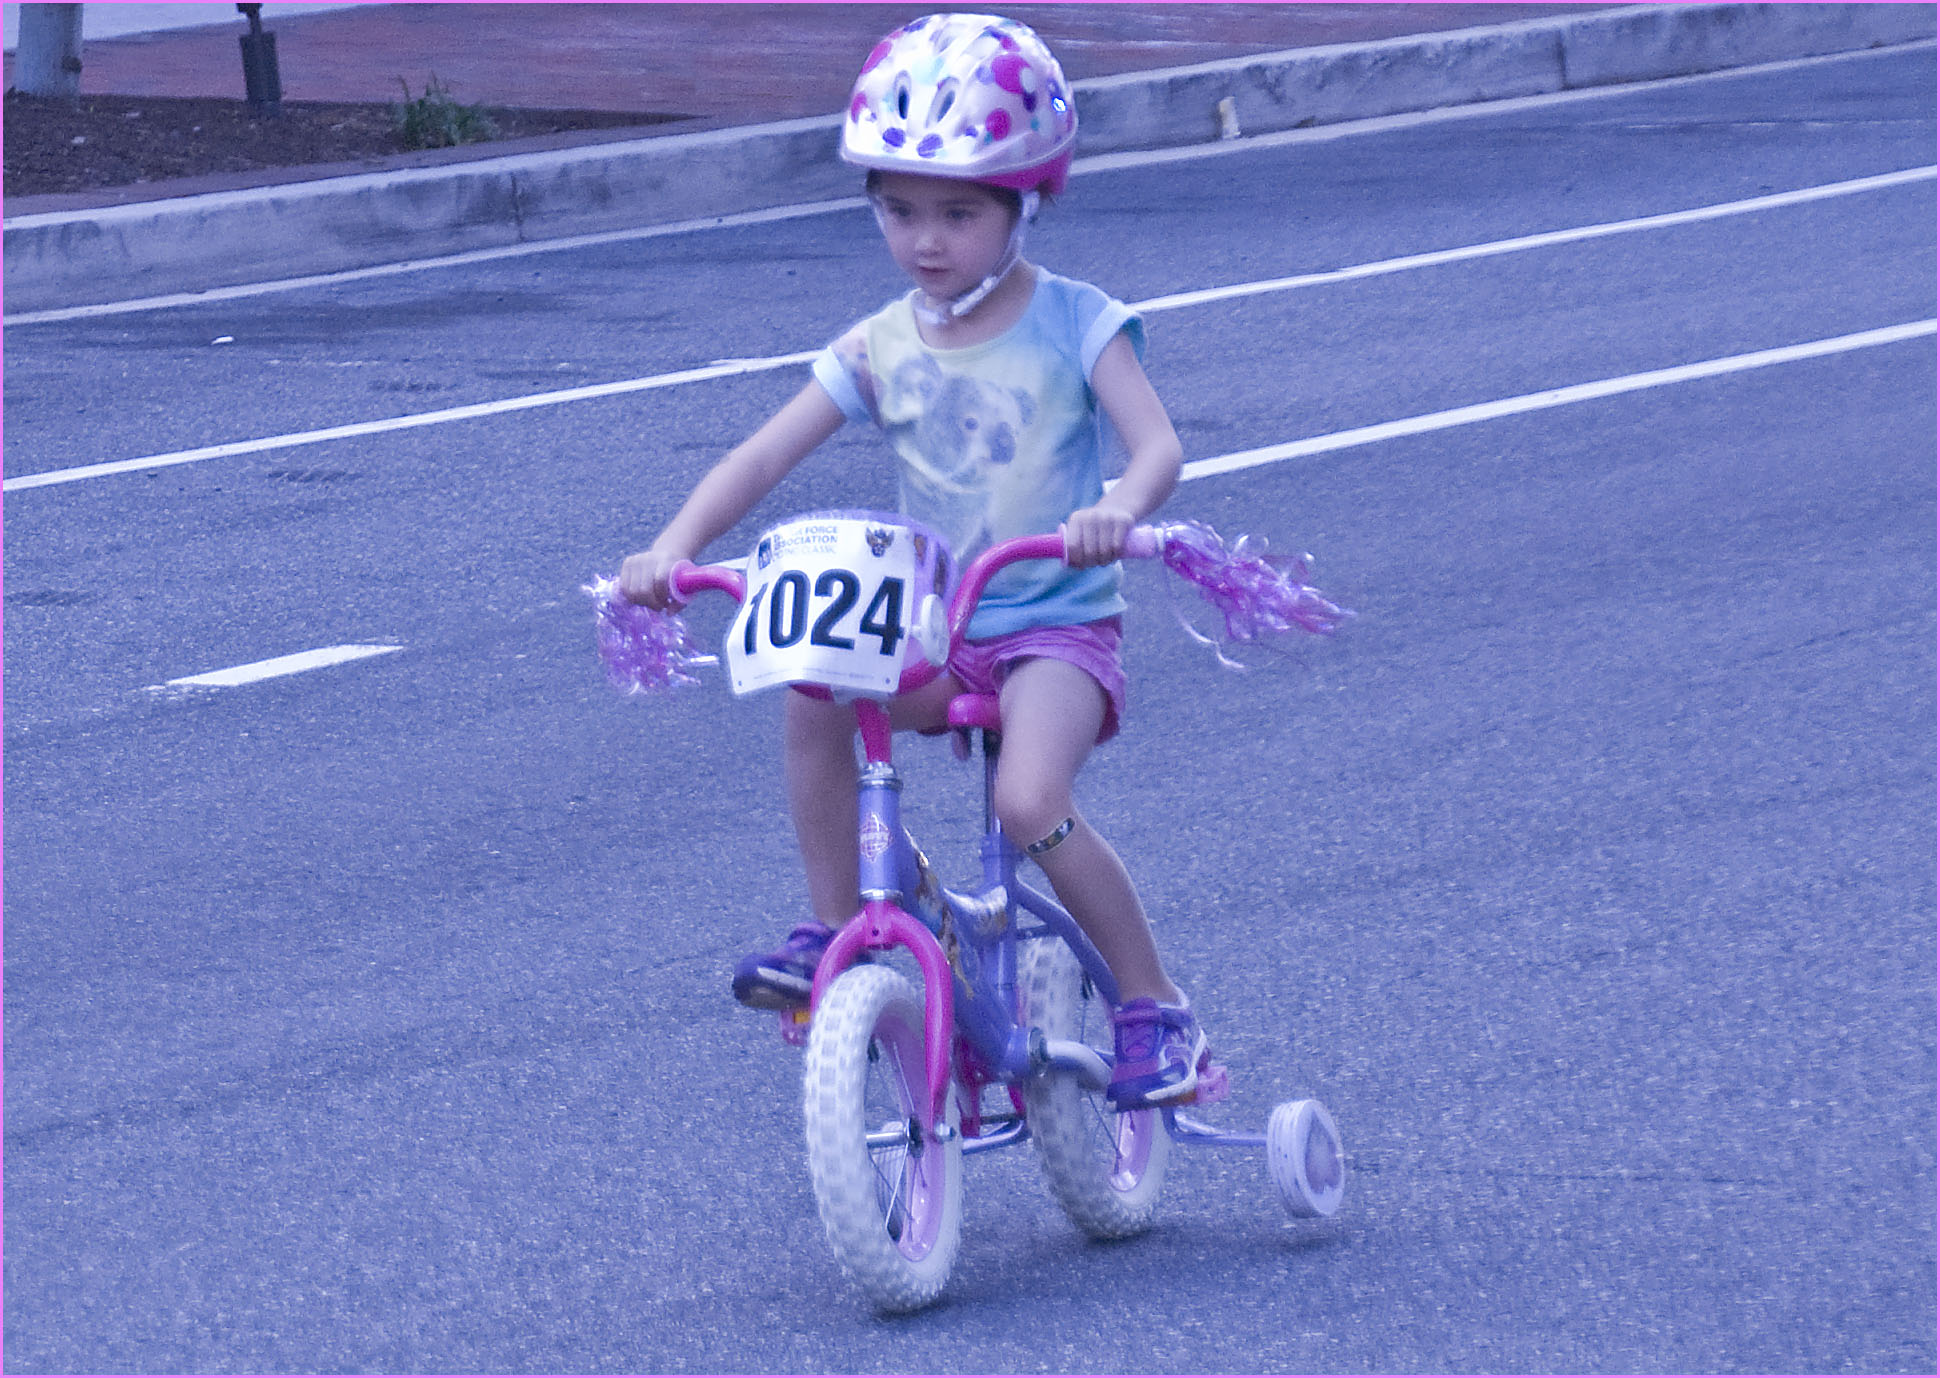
{"x": 947, "y": 235}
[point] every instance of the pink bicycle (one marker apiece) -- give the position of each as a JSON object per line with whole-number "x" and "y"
{"x": 1010, "y": 995}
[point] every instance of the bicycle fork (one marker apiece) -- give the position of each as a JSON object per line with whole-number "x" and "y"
{"x": 892, "y": 877}
{"x": 883, "y": 923}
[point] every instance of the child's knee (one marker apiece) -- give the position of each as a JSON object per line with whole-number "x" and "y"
{"x": 1033, "y": 816}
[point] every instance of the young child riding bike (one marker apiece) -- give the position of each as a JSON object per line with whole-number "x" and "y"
{"x": 992, "y": 382}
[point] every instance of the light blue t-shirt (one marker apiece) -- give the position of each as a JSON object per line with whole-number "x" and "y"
{"x": 995, "y": 440}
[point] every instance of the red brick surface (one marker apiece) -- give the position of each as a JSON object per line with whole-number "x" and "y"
{"x": 729, "y": 63}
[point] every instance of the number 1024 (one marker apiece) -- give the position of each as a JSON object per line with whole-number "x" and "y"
{"x": 837, "y": 591}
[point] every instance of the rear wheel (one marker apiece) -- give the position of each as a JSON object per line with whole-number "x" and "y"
{"x": 1105, "y": 1168}
{"x": 889, "y": 1193}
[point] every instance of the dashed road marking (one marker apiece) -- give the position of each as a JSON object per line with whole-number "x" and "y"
{"x": 275, "y": 667}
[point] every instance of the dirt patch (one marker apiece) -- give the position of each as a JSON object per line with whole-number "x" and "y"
{"x": 117, "y": 141}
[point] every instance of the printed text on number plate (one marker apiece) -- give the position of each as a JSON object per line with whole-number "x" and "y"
{"x": 828, "y": 603}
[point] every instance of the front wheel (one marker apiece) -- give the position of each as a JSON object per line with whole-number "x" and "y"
{"x": 1104, "y": 1168}
{"x": 890, "y": 1193}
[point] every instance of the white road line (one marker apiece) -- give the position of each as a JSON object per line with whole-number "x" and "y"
{"x": 1272, "y": 454}
{"x": 1555, "y": 397}
{"x": 278, "y": 666}
{"x": 1175, "y": 301}
{"x": 729, "y": 369}
{"x": 1545, "y": 240}
{"x": 1109, "y": 162}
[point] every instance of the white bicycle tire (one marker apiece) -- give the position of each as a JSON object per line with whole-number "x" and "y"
{"x": 897, "y": 1249}
{"x": 1105, "y": 1169}
{"x": 1305, "y": 1159}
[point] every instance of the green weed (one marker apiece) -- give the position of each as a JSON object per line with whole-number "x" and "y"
{"x": 435, "y": 120}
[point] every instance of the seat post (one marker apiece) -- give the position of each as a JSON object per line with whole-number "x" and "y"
{"x": 991, "y": 742}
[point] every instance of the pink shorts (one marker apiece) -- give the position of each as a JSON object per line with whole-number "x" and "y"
{"x": 982, "y": 666}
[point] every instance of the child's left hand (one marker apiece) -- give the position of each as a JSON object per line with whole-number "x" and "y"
{"x": 1095, "y": 536}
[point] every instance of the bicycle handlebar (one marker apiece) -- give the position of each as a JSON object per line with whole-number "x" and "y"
{"x": 686, "y": 579}
{"x": 1143, "y": 543}
{"x": 1255, "y": 595}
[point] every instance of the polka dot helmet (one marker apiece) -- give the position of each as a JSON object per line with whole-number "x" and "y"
{"x": 973, "y": 96}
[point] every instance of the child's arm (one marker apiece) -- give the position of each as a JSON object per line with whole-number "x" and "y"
{"x": 730, "y": 489}
{"x": 1096, "y": 535}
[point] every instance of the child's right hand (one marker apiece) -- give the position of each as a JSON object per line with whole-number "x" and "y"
{"x": 643, "y": 579}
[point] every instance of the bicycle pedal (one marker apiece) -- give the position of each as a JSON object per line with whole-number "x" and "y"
{"x": 1214, "y": 1086}
{"x": 794, "y": 1026}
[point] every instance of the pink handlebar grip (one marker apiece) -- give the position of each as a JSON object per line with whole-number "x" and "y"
{"x": 686, "y": 579}
{"x": 1141, "y": 542}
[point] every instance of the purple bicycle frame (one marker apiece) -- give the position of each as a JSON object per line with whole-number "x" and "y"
{"x": 976, "y": 994}
{"x": 893, "y": 878}
{"x": 984, "y": 927}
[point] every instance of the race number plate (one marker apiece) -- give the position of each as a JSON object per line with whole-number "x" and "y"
{"x": 831, "y": 601}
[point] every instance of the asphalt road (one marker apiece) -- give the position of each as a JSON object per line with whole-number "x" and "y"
{"x": 375, "y": 1018}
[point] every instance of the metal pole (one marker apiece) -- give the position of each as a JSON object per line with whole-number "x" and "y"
{"x": 262, "y": 82}
{"x": 49, "y": 60}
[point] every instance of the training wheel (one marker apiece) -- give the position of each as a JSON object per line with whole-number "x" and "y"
{"x": 1303, "y": 1155}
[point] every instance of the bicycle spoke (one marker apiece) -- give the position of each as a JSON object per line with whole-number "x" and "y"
{"x": 890, "y": 1146}
{"x": 889, "y": 1190}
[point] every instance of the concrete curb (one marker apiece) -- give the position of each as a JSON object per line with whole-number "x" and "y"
{"x": 195, "y": 243}
{"x": 1278, "y": 91}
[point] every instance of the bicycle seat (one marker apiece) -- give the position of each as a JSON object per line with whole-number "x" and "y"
{"x": 975, "y": 710}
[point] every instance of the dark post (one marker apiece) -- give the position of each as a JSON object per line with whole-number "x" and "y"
{"x": 260, "y": 78}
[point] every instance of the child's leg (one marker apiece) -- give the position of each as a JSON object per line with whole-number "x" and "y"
{"x": 819, "y": 758}
{"x": 818, "y": 754}
{"x": 1052, "y": 712}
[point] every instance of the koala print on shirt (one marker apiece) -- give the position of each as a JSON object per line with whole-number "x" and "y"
{"x": 961, "y": 428}
{"x": 962, "y": 423}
